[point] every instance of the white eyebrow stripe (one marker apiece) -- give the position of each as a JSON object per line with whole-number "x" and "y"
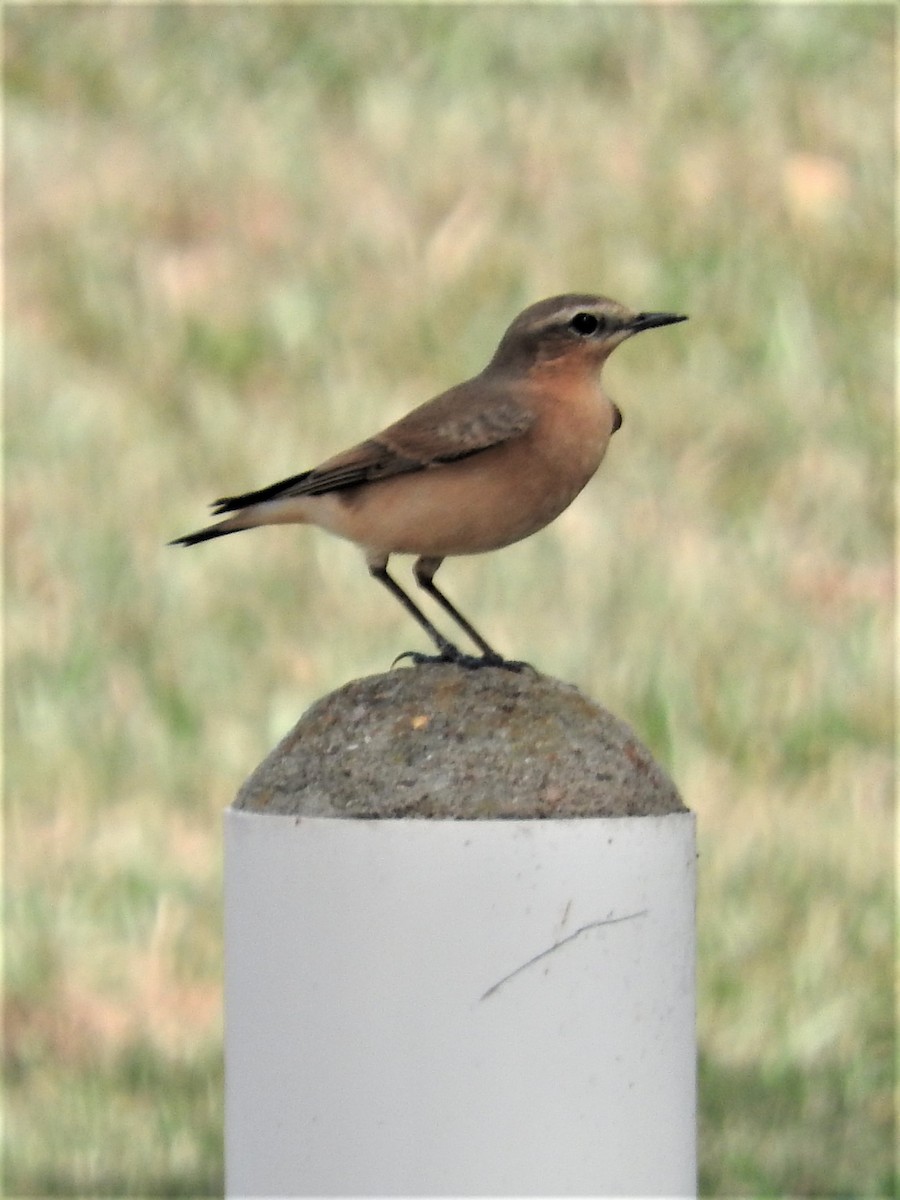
{"x": 564, "y": 315}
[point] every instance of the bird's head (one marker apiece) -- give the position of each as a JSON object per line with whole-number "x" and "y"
{"x": 578, "y": 328}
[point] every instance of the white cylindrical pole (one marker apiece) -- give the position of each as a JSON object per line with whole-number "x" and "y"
{"x": 457, "y": 1007}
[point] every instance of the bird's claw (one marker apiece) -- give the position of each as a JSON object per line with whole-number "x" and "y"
{"x": 469, "y": 662}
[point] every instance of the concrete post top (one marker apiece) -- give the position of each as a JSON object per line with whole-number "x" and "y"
{"x": 441, "y": 742}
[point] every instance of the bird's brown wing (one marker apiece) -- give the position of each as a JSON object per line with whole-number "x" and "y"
{"x": 468, "y": 418}
{"x": 463, "y": 421}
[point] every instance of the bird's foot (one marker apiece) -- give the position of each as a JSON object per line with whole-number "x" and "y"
{"x": 450, "y": 656}
{"x": 512, "y": 664}
{"x": 505, "y": 664}
{"x": 470, "y": 662}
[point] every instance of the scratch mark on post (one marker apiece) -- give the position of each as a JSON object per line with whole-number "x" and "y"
{"x": 556, "y": 945}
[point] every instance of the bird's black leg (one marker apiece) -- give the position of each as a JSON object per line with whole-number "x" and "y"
{"x": 447, "y": 652}
{"x": 424, "y": 572}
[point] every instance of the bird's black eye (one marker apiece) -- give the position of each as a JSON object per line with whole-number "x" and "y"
{"x": 584, "y": 324}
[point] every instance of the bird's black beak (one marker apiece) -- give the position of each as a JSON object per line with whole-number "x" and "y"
{"x": 650, "y": 321}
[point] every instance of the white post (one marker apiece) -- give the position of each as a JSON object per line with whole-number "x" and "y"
{"x": 457, "y": 1007}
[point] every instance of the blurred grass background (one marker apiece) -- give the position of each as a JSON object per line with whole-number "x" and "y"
{"x": 239, "y": 238}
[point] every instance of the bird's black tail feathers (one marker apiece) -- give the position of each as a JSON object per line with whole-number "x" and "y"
{"x": 233, "y": 503}
{"x": 202, "y": 535}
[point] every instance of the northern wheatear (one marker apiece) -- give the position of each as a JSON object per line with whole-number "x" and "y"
{"x": 480, "y": 466}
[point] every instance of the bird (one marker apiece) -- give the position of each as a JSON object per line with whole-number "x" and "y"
{"x": 478, "y": 467}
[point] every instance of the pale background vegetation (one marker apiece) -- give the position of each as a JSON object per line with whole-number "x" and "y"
{"x": 239, "y": 238}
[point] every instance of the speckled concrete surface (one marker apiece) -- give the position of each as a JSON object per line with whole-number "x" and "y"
{"x": 439, "y": 741}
